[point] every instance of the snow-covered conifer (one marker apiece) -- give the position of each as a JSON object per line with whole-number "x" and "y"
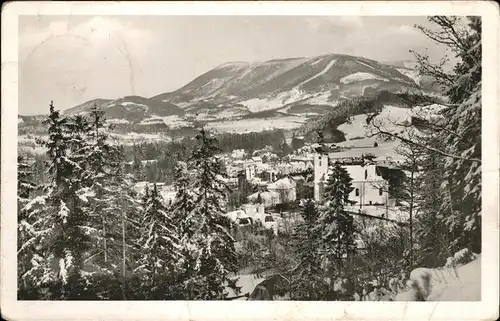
{"x": 307, "y": 281}
{"x": 212, "y": 245}
{"x": 335, "y": 226}
{"x": 161, "y": 253}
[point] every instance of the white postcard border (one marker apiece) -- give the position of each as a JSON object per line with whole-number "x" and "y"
{"x": 286, "y": 310}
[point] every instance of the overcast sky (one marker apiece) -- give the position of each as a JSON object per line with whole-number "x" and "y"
{"x": 74, "y": 59}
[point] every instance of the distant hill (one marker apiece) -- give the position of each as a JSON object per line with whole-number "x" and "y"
{"x": 129, "y": 109}
{"x": 245, "y": 88}
{"x": 280, "y": 93}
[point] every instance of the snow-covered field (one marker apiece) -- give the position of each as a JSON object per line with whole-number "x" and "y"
{"x": 280, "y": 100}
{"x": 391, "y": 119}
{"x": 129, "y": 103}
{"x": 360, "y": 76}
{"x": 117, "y": 121}
{"x": 133, "y": 138}
{"x": 257, "y": 125}
{"x": 384, "y": 149}
{"x": 321, "y": 98}
{"x": 410, "y": 73}
{"x": 172, "y": 121}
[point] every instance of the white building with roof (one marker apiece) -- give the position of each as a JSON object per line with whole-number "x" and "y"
{"x": 268, "y": 199}
{"x": 369, "y": 187}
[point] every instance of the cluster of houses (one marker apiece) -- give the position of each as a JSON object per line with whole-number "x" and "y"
{"x": 277, "y": 180}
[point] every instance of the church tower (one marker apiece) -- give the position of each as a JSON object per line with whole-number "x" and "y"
{"x": 320, "y": 174}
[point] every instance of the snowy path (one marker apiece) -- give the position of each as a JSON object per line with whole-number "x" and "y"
{"x": 447, "y": 284}
{"x": 322, "y": 72}
{"x": 248, "y": 282}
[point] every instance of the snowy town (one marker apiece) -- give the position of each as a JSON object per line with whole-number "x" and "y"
{"x": 328, "y": 177}
{"x": 277, "y": 183}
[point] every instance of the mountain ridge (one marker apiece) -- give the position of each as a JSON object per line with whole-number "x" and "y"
{"x": 284, "y": 88}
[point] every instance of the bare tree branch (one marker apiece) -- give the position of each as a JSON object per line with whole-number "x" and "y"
{"x": 408, "y": 141}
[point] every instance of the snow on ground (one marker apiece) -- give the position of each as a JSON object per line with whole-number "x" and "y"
{"x": 257, "y": 125}
{"x": 384, "y": 149}
{"x": 321, "y": 98}
{"x": 173, "y": 121}
{"x": 180, "y": 105}
{"x": 357, "y": 127}
{"x": 367, "y": 65}
{"x": 248, "y": 282}
{"x": 410, "y": 73}
{"x": 355, "y": 143}
{"x": 133, "y": 138}
{"x": 392, "y": 213}
{"x": 28, "y": 145}
{"x": 128, "y": 103}
{"x": 360, "y": 76}
{"x": 149, "y": 121}
{"x": 391, "y": 119}
{"x": 322, "y": 72}
{"x": 117, "y": 121}
{"x": 462, "y": 283}
{"x": 231, "y": 113}
{"x": 317, "y": 61}
{"x": 260, "y": 104}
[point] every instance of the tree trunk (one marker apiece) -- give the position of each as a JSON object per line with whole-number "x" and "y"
{"x": 124, "y": 250}
{"x": 411, "y": 212}
{"x": 104, "y": 240}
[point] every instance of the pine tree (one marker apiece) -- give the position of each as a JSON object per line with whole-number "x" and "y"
{"x": 336, "y": 226}
{"x": 162, "y": 252}
{"x": 464, "y": 138}
{"x": 212, "y": 245}
{"x": 109, "y": 187}
{"x": 461, "y": 134}
{"x": 26, "y": 187}
{"x": 63, "y": 233}
{"x": 183, "y": 205}
{"x": 308, "y": 282}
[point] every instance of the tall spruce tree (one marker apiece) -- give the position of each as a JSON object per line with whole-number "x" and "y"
{"x": 64, "y": 233}
{"x": 183, "y": 205}
{"x": 161, "y": 250}
{"x": 109, "y": 186}
{"x": 212, "y": 246}
{"x": 307, "y": 282}
{"x": 26, "y": 188}
{"x": 335, "y": 225}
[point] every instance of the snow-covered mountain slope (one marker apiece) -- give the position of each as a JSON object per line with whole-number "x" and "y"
{"x": 392, "y": 119}
{"x": 280, "y": 83}
{"x": 295, "y": 89}
{"x": 129, "y": 109}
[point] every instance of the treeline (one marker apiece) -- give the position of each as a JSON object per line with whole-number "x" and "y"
{"x": 167, "y": 154}
{"x": 371, "y": 105}
{"x": 85, "y": 234}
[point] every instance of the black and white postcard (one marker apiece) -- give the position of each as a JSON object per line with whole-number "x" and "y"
{"x": 177, "y": 160}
